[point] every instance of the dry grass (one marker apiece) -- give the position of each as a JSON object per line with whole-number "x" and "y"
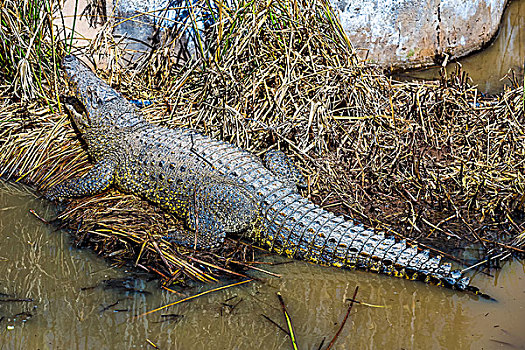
{"x": 29, "y": 48}
{"x": 434, "y": 162}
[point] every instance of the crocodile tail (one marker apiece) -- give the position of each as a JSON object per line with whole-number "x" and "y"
{"x": 300, "y": 229}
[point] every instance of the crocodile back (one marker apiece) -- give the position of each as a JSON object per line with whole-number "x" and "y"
{"x": 161, "y": 165}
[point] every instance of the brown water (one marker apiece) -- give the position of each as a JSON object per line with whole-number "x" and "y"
{"x": 40, "y": 264}
{"x": 489, "y": 67}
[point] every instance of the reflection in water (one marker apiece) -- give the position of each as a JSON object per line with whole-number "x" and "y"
{"x": 488, "y": 67}
{"x": 74, "y": 307}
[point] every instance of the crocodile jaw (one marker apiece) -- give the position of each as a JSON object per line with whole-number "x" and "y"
{"x": 104, "y": 107}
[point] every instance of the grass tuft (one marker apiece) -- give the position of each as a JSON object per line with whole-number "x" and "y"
{"x": 28, "y": 48}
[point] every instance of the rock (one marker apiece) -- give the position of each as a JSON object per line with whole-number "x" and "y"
{"x": 414, "y": 33}
{"x": 137, "y": 25}
{"x": 142, "y": 24}
{"x": 397, "y": 33}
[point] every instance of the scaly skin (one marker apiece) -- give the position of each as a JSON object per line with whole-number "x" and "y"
{"x": 219, "y": 188}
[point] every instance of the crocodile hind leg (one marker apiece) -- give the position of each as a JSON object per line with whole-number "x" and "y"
{"x": 217, "y": 207}
{"x": 96, "y": 180}
{"x": 284, "y": 168}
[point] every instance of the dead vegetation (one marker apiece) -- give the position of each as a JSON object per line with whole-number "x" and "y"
{"x": 434, "y": 162}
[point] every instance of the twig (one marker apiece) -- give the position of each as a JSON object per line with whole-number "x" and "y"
{"x": 288, "y": 321}
{"x": 194, "y": 297}
{"x": 484, "y": 262}
{"x": 250, "y": 266}
{"x": 276, "y": 325}
{"x": 38, "y": 216}
{"x": 366, "y": 304}
{"x": 151, "y": 343}
{"x": 344, "y": 320}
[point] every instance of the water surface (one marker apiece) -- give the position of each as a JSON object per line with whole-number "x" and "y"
{"x": 73, "y": 308}
{"x": 489, "y": 67}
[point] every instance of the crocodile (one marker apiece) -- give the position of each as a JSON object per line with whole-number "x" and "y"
{"x": 219, "y": 189}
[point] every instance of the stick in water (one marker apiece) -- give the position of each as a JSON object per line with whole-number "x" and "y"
{"x": 288, "y": 321}
{"x": 344, "y": 320}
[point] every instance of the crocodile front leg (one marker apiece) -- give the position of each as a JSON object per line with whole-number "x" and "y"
{"x": 96, "y": 180}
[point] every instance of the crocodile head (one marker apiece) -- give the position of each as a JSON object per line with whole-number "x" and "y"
{"x": 103, "y": 107}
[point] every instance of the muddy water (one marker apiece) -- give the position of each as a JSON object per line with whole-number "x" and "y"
{"x": 69, "y": 306}
{"x": 489, "y": 67}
